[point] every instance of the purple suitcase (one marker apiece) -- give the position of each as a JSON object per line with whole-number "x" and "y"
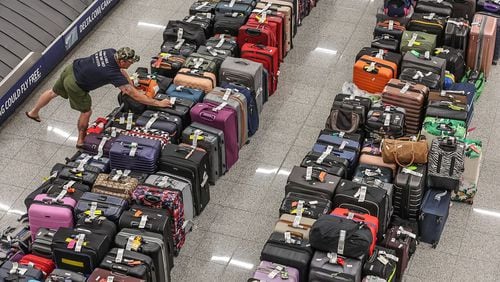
{"x": 223, "y": 119}
{"x": 279, "y": 272}
{"x": 98, "y": 144}
{"x": 51, "y": 213}
{"x": 135, "y": 153}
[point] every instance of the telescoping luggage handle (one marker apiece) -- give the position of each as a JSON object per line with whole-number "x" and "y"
{"x": 438, "y": 197}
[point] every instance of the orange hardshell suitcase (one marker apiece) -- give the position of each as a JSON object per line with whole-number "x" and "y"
{"x": 372, "y": 74}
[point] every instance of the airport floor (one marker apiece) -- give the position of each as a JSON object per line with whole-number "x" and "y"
{"x": 227, "y": 238}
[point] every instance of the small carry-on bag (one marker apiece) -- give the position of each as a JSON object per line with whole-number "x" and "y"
{"x": 455, "y": 61}
{"x": 84, "y": 174}
{"x": 150, "y": 244}
{"x": 50, "y": 212}
{"x": 197, "y": 79}
{"x": 381, "y": 263}
{"x": 54, "y": 186}
{"x": 312, "y": 182}
{"x": 385, "y": 121}
{"x": 253, "y": 113}
{"x": 152, "y": 220}
{"x": 403, "y": 241}
{"x": 66, "y": 276}
{"x": 119, "y": 261}
{"x": 202, "y": 7}
{"x": 115, "y": 184}
{"x": 367, "y": 171}
{"x": 100, "y": 274}
{"x": 309, "y": 205}
{"x": 190, "y": 32}
{"x": 277, "y": 272}
{"x": 92, "y": 204}
{"x": 12, "y": 271}
{"x": 161, "y": 121}
{"x": 166, "y": 64}
{"x": 372, "y": 74}
{"x": 429, "y": 23}
{"x": 418, "y": 41}
{"x": 386, "y": 42}
{"x": 434, "y": 128}
{"x": 446, "y": 163}
{"x": 409, "y": 186}
{"x": 42, "y": 244}
{"x": 287, "y": 223}
{"x": 425, "y": 63}
{"x": 180, "y": 107}
{"x": 370, "y": 221}
{"x": 330, "y": 164}
{"x": 435, "y": 209}
{"x": 441, "y": 8}
{"x": 481, "y": 47}
{"x": 45, "y": 265}
{"x": 223, "y": 119}
{"x": 206, "y": 63}
{"x": 456, "y": 34}
{"x": 333, "y": 267}
{"x": 78, "y": 251}
{"x": 97, "y": 225}
{"x": 184, "y": 92}
{"x": 472, "y": 167}
{"x": 192, "y": 164}
{"x": 288, "y": 249}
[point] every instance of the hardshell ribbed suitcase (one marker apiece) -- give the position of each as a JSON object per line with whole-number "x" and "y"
{"x": 371, "y": 74}
{"x": 482, "y": 41}
{"x": 50, "y": 213}
{"x": 409, "y": 186}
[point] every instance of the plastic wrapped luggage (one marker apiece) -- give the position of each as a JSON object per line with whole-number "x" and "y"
{"x": 435, "y": 209}
{"x": 472, "y": 167}
{"x": 383, "y": 174}
{"x": 332, "y": 267}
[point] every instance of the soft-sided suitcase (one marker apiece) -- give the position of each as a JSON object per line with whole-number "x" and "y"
{"x": 53, "y": 187}
{"x": 220, "y": 141}
{"x": 86, "y": 174}
{"x": 115, "y": 184}
{"x": 440, "y": 7}
{"x": 45, "y": 265}
{"x": 438, "y": 127}
{"x": 176, "y": 183}
{"x": 167, "y": 64}
{"x": 294, "y": 224}
{"x": 278, "y": 19}
{"x": 457, "y": 101}
{"x": 371, "y": 154}
{"x": 333, "y": 267}
{"x": 184, "y": 92}
{"x": 205, "y": 20}
{"x": 413, "y": 75}
{"x": 42, "y": 243}
{"x": 456, "y": 34}
{"x": 152, "y": 220}
{"x": 428, "y": 23}
{"x": 244, "y": 72}
{"x": 383, "y": 174}
{"x": 418, "y": 41}
{"x": 368, "y": 220}
{"x": 385, "y": 121}
{"x": 100, "y": 274}
{"x": 12, "y": 271}
{"x": 403, "y": 242}
{"x": 197, "y": 79}
{"x": 253, "y": 113}
{"x": 446, "y": 163}
{"x": 235, "y": 6}
{"x": 161, "y": 121}
{"x": 310, "y": 206}
{"x": 119, "y": 261}
{"x": 83, "y": 159}
{"x": 178, "y": 30}
{"x": 381, "y": 263}
{"x": 258, "y": 33}
{"x": 372, "y": 74}
{"x": 191, "y": 164}
{"x": 223, "y": 119}
{"x": 65, "y": 275}
{"x": 77, "y": 251}
{"x": 98, "y": 144}
{"x": 92, "y": 204}
{"x": 370, "y": 200}
{"x": 50, "y": 212}
{"x": 135, "y": 153}
{"x": 276, "y": 272}
{"x": 237, "y": 102}
{"x": 409, "y": 96}
{"x": 435, "y": 209}
{"x": 425, "y": 63}
{"x": 97, "y": 225}
{"x": 150, "y": 244}
{"x": 455, "y": 61}
{"x": 207, "y": 63}
{"x": 180, "y": 107}
{"x": 268, "y": 57}
{"x": 470, "y": 178}
{"x": 338, "y": 151}
{"x": 482, "y": 41}
{"x": 283, "y": 10}
{"x": 229, "y": 23}
{"x": 202, "y": 7}
{"x": 390, "y": 27}
{"x": 315, "y": 182}
{"x": 386, "y": 42}
{"x": 330, "y": 164}
{"x": 336, "y": 140}
{"x": 290, "y": 250}
{"x": 224, "y": 45}
{"x": 409, "y": 186}
{"x": 464, "y": 9}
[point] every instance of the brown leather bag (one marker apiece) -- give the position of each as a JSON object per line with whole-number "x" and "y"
{"x": 405, "y": 151}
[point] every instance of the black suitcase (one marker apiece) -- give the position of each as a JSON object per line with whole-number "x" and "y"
{"x": 223, "y": 42}
{"x": 70, "y": 171}
{"x": 43, "y": 242}
{"x": 446, "y": 163}
{"x": 320, "y": 183}
{"x": 293, "y": 252}
{"x": 385, "y": 122}
{"x": 412, "y": 75}
{"x": 409, "y": 187}
{"x": 428, "y": 23}
{"x": 455, "y": 61}
{"x": 54, "y": 186}
{"x": 312, "y": 206}
{"x": 375, "y": 202}
{"x": 325, "y": 268}
{"x": 382, "y": 263}
{"x": 108, "y": 206}
{"x": 202, "y": 7}
{"x": 156, "y": 221}
{"x": 464, "y": 9}
{"x": 97, "y": 225}
{"x": 204, "y": 20}
{"x": 180, "y": 108}
{"x": 456, "y": 34}
{"x": 60, "y": 275}
{"x": 330, "y": 164}
{"x": 381, "y": 54}
{"x": 192, "y": 33}
{"x": 386, "y": 42}
{"x": 381, "y": 173}
{"x": 357, "y": 136}
{"x": 12, "y": 271}
{"x": 79, "y": 251}
{"x": 129, "y": 263}
{"x": 361, "y": 104}
{"x": 191, "y": 164}
{"x": 439, "y": 7}
{"x": 150, "y": 244}
{"x": 425, "y": 64}
{"x": 229, "y": 23}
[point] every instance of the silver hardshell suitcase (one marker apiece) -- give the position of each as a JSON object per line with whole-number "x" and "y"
{"x": 220, "y": 138}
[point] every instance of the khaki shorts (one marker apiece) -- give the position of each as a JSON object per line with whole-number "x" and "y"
{"x": 67, "y": 88}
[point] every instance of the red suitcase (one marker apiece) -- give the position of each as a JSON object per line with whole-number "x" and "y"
{"x": 258, "y": 33}
{"x": 268, "y": 57}
{"x": 45, "y": 265}
{"x": 370, "y": 221}
{"x": 280, "y": 28}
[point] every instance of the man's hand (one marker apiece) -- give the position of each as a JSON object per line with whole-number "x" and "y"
{"x": 143, "y": 99}
{"x": 164, "y": 103}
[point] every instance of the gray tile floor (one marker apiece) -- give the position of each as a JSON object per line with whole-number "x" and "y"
{"x": 229, "y": 235}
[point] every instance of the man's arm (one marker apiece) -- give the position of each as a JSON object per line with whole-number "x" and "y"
{"x": 141, "y": 98}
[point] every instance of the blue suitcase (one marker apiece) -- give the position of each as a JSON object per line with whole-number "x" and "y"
{"x": 183, "y": 92}
{"x": 350, "y": 156}
{"x": 107, "y": 206}
{"x": 162, "y": 121}
{"x": 337, "y": 140}
{"x": 433, "y": 216}
{"x": 79, "y": 159}
{"x": 134, "y": 153}
{"x": 253, "y": 113}
{"x": 469, "y": 90}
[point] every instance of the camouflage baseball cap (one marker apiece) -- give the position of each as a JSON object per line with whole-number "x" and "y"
{"x": 127, "y": 53}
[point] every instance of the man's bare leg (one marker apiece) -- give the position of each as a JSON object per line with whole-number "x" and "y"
{"x": 44, "y": 99}
{"x": 83, "y": 124}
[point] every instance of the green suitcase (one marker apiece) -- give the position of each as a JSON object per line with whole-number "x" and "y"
{"x": 436, "y": 127}
{"x": 418, "y": 41}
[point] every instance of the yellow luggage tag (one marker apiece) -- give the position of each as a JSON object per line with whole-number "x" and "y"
{"x": 97, "y": 212}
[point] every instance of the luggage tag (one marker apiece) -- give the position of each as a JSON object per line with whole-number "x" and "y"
{"x": 277, "y": 270}
{"x": 133, "y": 149}
{"x": 110, "y": 279}
{"x": 438, "y": 197}
{"x": 69, "y": 185}
{"x": 387, "y": 120}
{"x": 142, "y": 223}
{"x": 388, "y": 256}
{"x": 418, "y": 75}
{"x": 203, "y": 5}
{"x": 383, "y": 260}
{"x": 350, "y": 215}
{"x": 309, "y": 173}
{"x": 332, "y": 257}
{"x": 83, "y": 162}
{"x": 198, "y": 62}
{"x": 431, "y": 15}
{"x": 391, "y": 25}
{"x": 212, "y": 51}
{"x": 325, "y": 154}
{"x": 231, "y": 4}
{"x": 380, "y": 54}
{"x": 61, "y": 195}
{"x": 300, "y": 207}
{"x": 288, "y": 237}
{"x": 152, "y": 120}
{"x": 296, "y": 222}
{"x": 413, "y": 40}
{"x": 130, "y": 116}
{"x": 342, "y": 145}
{"x": 371, "y": 67}
{"x": 92, "y": 210}
{"x": 79, "y": 242}
{"x": 190, "y": 19}
{"x": 427, "y": 55}
{"x": 119, "y": 255}
{"x": 401, "y": 230}
{"x": 227, "y": 93}
{"x": 341, "y": 245}
{"x": 361, "y": 194}
{"x": 219, "y": 107}
{"x": 262, "y": 17}
{"x": 221, "y": 41}
{"x": 133, "y": 243}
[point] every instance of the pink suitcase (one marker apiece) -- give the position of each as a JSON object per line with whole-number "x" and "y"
{"x": 224, "y": 119}
{"x": 48, "y": 212}
{"x": 278, "y": 272}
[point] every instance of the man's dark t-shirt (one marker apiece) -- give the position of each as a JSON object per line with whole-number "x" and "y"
{"x": 97, "y": 70}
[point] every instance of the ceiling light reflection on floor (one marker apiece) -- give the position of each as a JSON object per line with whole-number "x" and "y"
{"x": 284, "y": 172}
{"x": 150, "y": 25}
{"x": 220, "y": 258}
{"x": 487, "y": 212}
{"x": 241, "y": 264}
{"x": 266, "y": 170}
{"x": 325, "y": 50}
{"x": 58, "y": 131}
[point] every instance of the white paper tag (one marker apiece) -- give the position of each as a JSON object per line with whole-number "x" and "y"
{"x": 313, "y": 202}
{"x": 163, "y": 182}
{"x": 133, "y": 149}
{"x": 190, "y": 19}
{"x": 205, "y": 179}
{"x": 69, "y": 185}
{"x": 407, "y": 233}
{"x": 201, "y": 6}
{"x": 391, "y": 25}
{"x": 22, "y": 271}
{"x": 309, "y": 171}
{"x": 143, "y": 221}
{"x": 408, "y": 171}
{"x": 387, "y": 120}
{"x": 122, "y": 120}
{"x": 130, "y": 242}
{"x": 93, "y": 208}
{"x": 332, "y": 258}
{"x": 61, "y": 195}
{"x": 196, "y": 134}
{"x": 371, "y": 67}
{"x": 350, "y": 215}
{"x": 113, "y": 132}
{"x": 427, "y": 55}
{"x": 212, "y": 51}
{"x": 15, "y": 267}
{"x": 173, "y": 100}
{"x": 180, "y": 33}
{"x": 219, "y": 107}
{"x": 221, "y": 42}
{"x": 119, "y": 255}
{"x": 341, "y": 134}
{"x": 380, "y": 54}
{"x": 341, "y": 245}
{"x": 79, "y": 242}
{"x": 151, "y": 120}
{"x": 273, "y": 273}
{"x": 110, "y": 279}
{"x": 383, "y": 260}
{"x": 198, "y": 62}
{"x": 296, "y": 221}
{"x": 342, "y": 145}
{"x": 405, "y": 88}
{"x": 362, "y": 194}
{"x": 130, "y": 116}
{"x": 117, "y": 175}
{"x": 179, "y": 44}
{"x": 231, "y": 4}
{"x": 412, "y": 40}
{"x": 227, "y": 93}
{"x": 300, "y": 206}
{"x": 325, "y": 154}
{"x": 288, "y": 237}
{"x": 100, "y": 148}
